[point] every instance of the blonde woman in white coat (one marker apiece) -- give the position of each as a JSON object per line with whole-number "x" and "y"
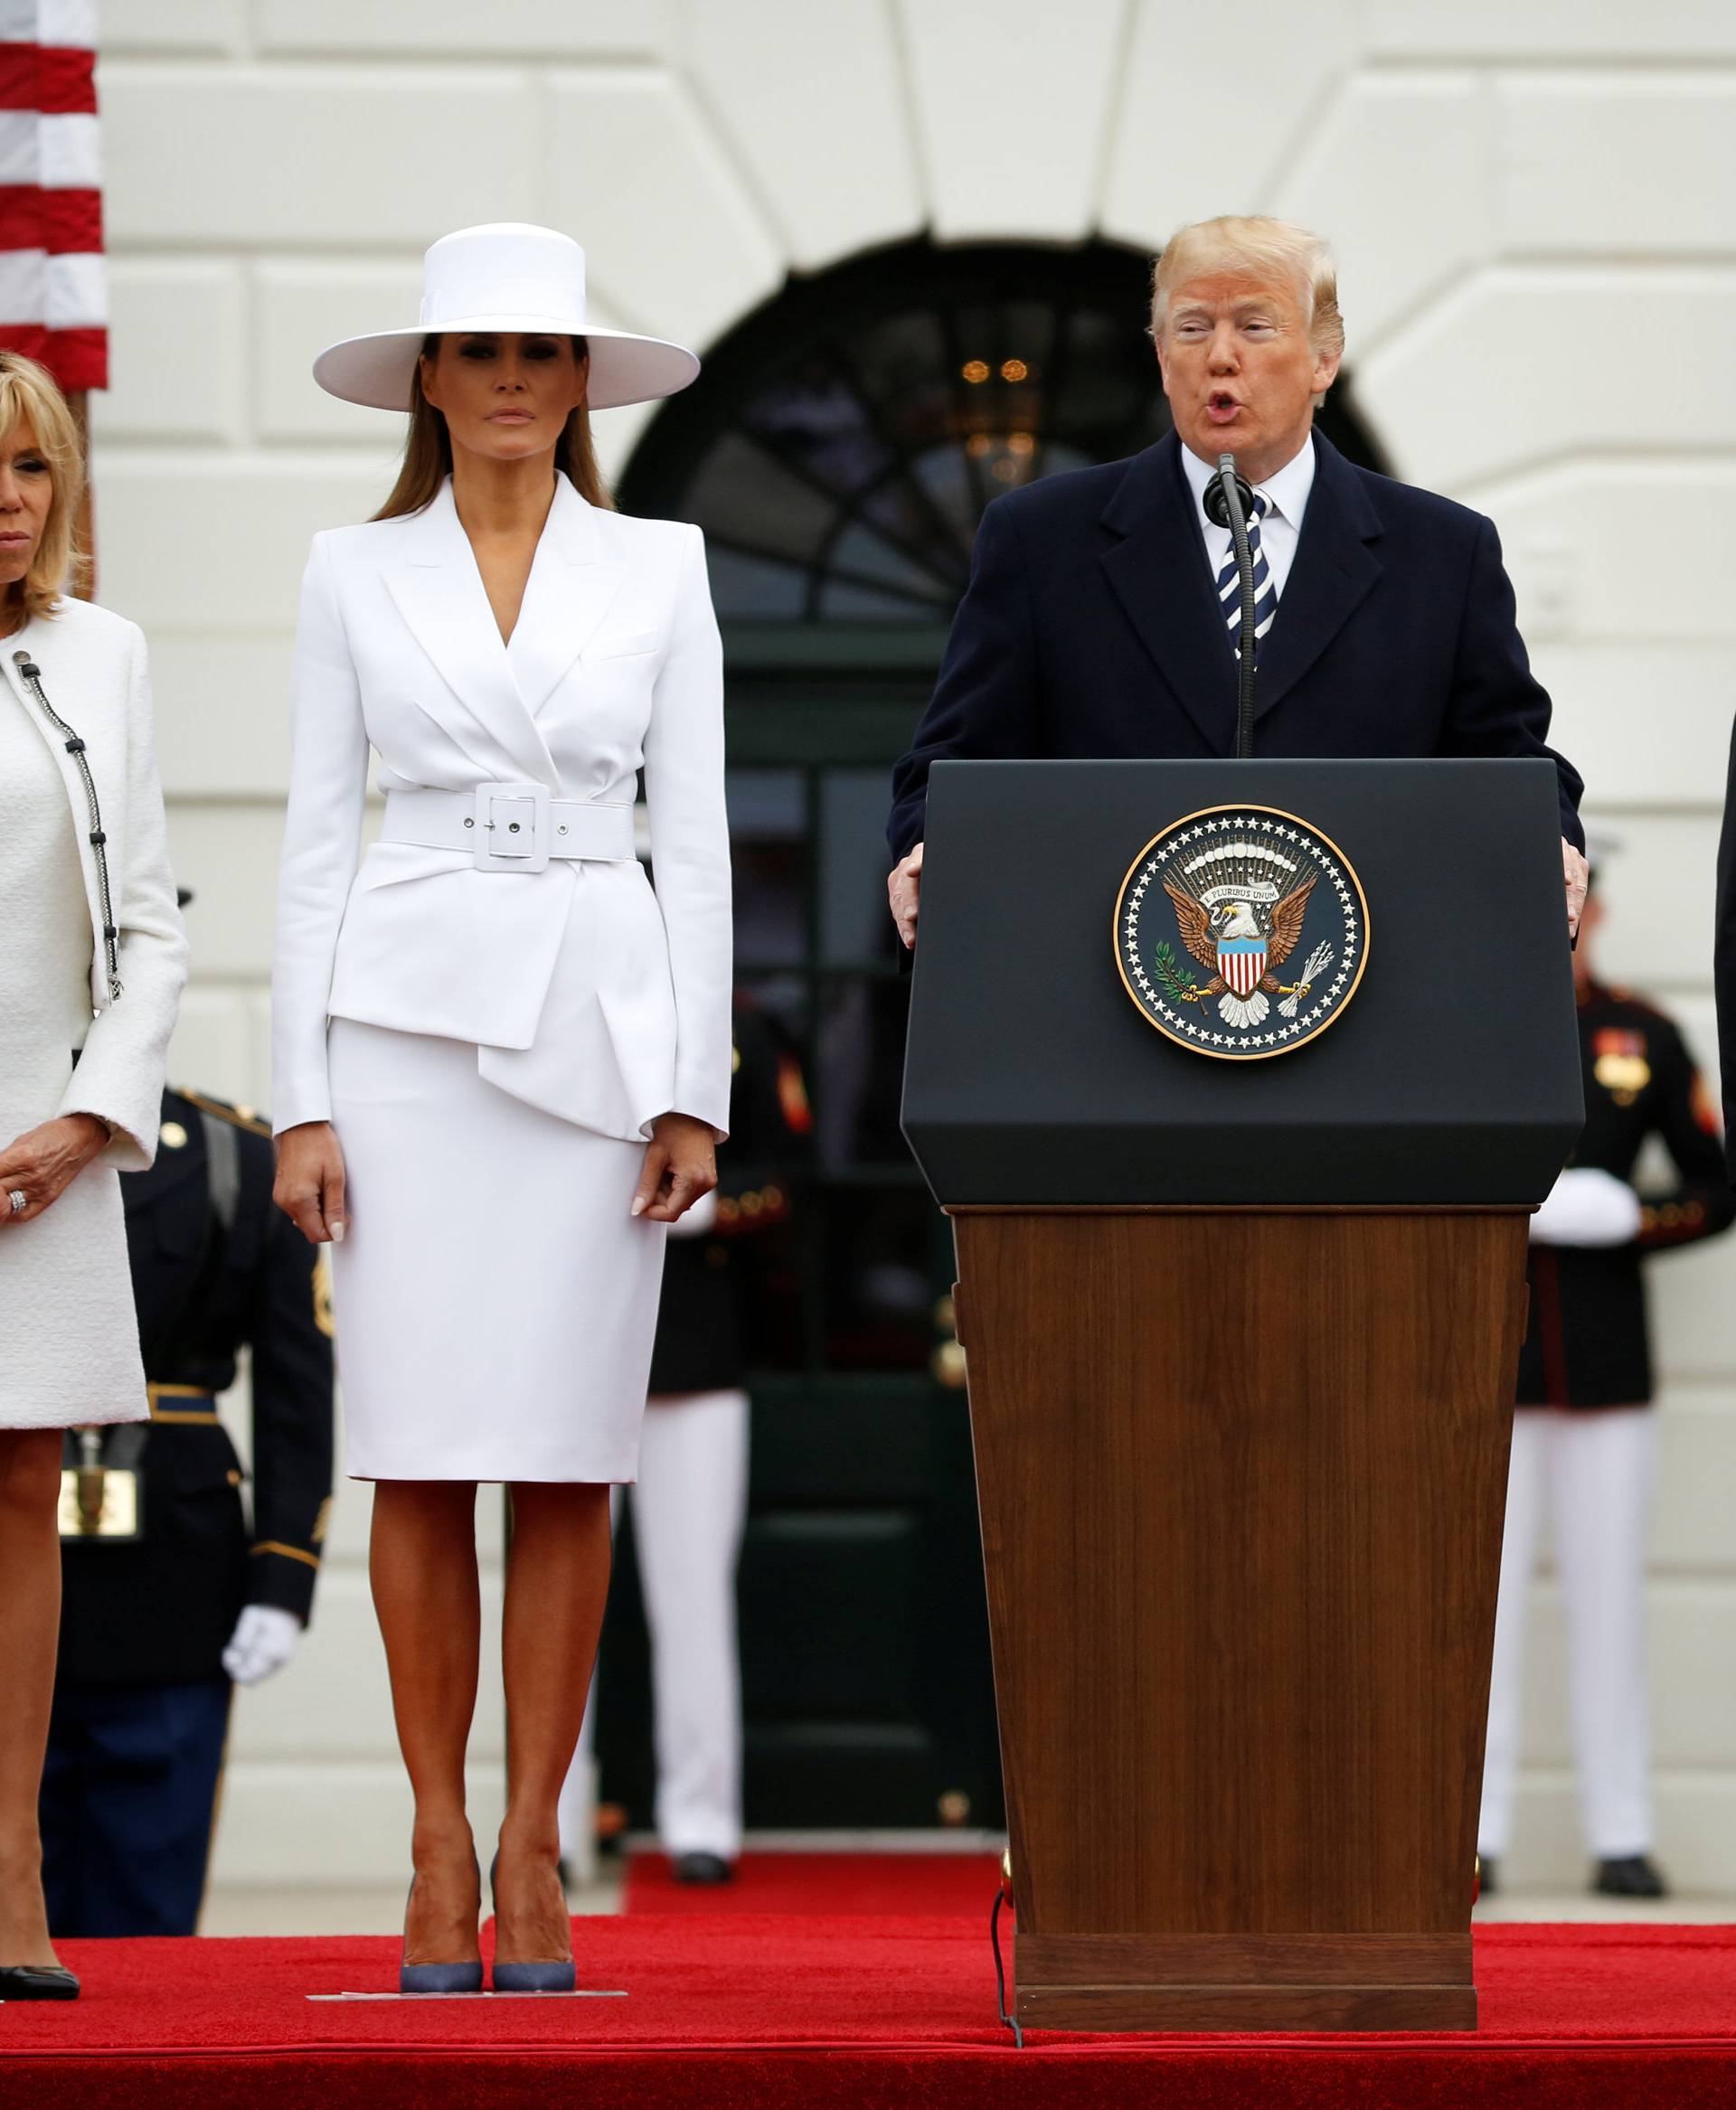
{"x": 502, "y": 1060}
{"x": 91, "y": 963}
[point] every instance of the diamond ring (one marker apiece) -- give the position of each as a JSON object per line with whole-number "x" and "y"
{"x": 20, "y": 1201}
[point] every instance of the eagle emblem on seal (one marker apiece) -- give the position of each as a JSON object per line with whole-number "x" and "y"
{"x": 1243, "y": 928}
{"x": 1267, "y": 906}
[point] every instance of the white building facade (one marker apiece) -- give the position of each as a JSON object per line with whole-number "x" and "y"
{"x": 1535, "y": 212}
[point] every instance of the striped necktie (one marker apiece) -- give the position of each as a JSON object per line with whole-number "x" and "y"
{"x": 1264, "y": 592}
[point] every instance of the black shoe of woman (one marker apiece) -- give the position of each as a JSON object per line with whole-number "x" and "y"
{"x": 37, "y": 1981}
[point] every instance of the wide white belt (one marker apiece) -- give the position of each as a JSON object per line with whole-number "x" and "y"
{"x": 509, "y": 826}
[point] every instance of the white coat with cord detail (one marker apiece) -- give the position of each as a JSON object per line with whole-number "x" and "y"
{"x": 69, "y": 1339}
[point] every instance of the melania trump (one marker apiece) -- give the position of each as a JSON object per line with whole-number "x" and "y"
{"x": 502, "y": 1059}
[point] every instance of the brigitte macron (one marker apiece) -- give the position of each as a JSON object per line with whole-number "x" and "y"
{"x": 91, "y": 964}
{"x": 503, "y": 1061}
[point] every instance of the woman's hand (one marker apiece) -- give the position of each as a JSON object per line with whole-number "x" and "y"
{"x": 679, "y": 1166}
{"x": 309, "y": 1187}
{"x": 42, "y": 1163}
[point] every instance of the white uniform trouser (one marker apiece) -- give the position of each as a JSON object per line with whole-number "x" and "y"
{"x": 1595, "y": 1471}
{"x": 689, "y": 1507}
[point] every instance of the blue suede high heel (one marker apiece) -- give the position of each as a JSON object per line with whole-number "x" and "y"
{"x": 439, "y": 1977}
{"x": 561, "y": 1977}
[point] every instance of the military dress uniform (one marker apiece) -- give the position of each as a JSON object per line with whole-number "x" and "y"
{"x": 1585, "y": 1435}
{"x": 690, "y": 1501}
{"x": 160, "y": 1556}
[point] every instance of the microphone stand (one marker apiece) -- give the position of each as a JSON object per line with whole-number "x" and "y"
{"x": 1237, "y": 521}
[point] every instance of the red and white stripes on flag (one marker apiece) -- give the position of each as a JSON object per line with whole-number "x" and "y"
{"x": 53, "y": 295}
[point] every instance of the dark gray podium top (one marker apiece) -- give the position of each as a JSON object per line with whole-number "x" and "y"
{"x": 1451, "y": 1075}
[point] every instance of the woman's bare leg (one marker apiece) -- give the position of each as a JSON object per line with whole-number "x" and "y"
{"x": 423, "y": 1563}
{"x": 30, "y": 1632}
{"x": 557, "y": 1582}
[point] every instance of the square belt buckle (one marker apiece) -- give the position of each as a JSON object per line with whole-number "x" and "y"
{"x": 512, "y": 827}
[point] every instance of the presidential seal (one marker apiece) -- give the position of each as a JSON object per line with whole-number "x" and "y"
{"x": 1240, "y": 932}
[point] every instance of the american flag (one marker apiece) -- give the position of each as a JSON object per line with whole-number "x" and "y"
{"x": 53, "y": 297}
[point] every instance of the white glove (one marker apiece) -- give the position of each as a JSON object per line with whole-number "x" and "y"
{"x": 1586, "y": 1207}
{"x": 265, "y": 1638}
{"x": 694, "y": 1222}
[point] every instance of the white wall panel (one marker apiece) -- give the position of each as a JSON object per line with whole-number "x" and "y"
{"x": 1523, "y": 367}
{"x": 1659, "y": 931}
{"x": 1691, "y": 1640}
{"x": 1697, "y": 1446}
{"x": 533, "y": 29}
{"x": 223, "y": 713}
{"x": 220, "y": 546}
{"x": 267, "y": 156}
{"x": 1210, "y": 111}
{"x": 178, "y": 351}
{"x": 227, "y": 853}
{"x": 811, "y": 103}
{"x": 1696, "y": 1836}
{"x": 160, "y": 26}
{"x": 212, "y": 1049}
{"x": 296, "y": 1823}
{"x": 1546, "y": 28}
{"x": 673, "y": 240}
{"x": 1596, "y": 549}
{"x": 1646, "y": 725}
{"x": 300, "y": 306}
{"x": 1618, "y": 162}
{"x": 1013, "y": 104}
{"x": 1432, "y": 133}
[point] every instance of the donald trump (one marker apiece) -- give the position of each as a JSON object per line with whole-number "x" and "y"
{"x": 1102, "y": 614}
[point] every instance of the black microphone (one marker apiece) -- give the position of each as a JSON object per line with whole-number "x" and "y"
{"x": 1228, "y": 501}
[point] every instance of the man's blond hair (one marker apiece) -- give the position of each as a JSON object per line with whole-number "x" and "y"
{"x": 1259, "y": 246}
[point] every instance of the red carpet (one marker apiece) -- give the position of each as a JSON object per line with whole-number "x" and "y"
{"x": 770, "y": 2012}
{"x": 960, "y": 1886}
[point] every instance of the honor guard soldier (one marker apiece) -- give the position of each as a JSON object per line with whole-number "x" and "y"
{"x": 172, "y": 1594}
{"x": 691, "y": 1499}
{"x": 1584, "y": 1438}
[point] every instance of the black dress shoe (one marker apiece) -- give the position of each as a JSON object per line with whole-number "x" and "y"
{"x": 36, "y": 1982}
{"x": 1633, "y": 1875}
{"x": 703, "y": 1867}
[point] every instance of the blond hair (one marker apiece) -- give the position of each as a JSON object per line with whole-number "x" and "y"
{"x": 30, "y": 395}
{"x": 428, "y": 449}
{"x": 1254, "y": 243}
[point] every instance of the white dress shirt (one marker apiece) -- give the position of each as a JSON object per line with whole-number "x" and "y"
{"x": 1287, "y": 493}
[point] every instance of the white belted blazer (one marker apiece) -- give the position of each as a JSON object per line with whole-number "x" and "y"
{"x": 587, "y": 994}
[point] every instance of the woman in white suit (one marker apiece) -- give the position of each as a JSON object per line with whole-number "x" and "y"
{"x": 92, "y": 959}
{"x": 502, "y": 1060}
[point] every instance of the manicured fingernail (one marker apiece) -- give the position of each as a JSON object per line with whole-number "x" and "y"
{"x": 337, "y": 1234}
{"x": 638, "y": 1205}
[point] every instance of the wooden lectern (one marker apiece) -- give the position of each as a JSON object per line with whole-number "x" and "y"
{"x": 1242, "y": 1340}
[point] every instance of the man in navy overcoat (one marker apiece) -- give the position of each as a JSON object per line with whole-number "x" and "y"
{"x": 1101, "y": 616}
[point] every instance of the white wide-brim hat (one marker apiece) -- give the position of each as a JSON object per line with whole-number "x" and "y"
{"x": 510, "y": 279}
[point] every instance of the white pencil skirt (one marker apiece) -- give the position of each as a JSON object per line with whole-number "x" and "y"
{"x": 496, "y": 1301}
